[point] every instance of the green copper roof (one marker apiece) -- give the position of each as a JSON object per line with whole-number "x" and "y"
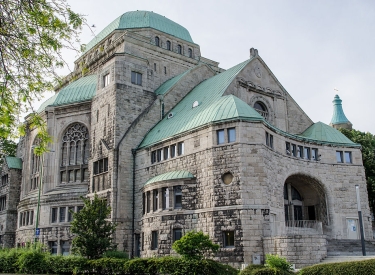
{"x": 83, "y": 89}
{"x": 338, "y": 116}
{"x": 212, "y": 107}
{"x": 181, "y": 174}
{"x": 167, "y": 85}
{"x": 323, "y": 132}
{"x": 142, "y": 19}
{"x": 13, "y": 162}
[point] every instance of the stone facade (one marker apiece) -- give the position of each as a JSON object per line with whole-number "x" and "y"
{"x": 255, "y": 186}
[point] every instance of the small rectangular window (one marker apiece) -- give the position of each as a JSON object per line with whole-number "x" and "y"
{"x": 180, "y": 148}
{"x": 267, "y": 139}
{"x": 53, "y": 247}
{"x": 228, "y": 238}
{"x": 106, "y": 80}
{"x": 339, "y": 157}
{"x": 165, "y": 198}
{"x": 136, "y": 78}
{"x": 166, "y": 152}
{"x": 153, "y": 156}
{"x": 220, "y": 136}
{"x": 159, "y": 155}
{"x": 314, "y": 154}
{"x": 287, "y": 148}
{"x": 154, "y": 240}
{"x": 231, "y": 134}
{"x": 177, "y": 197}
{"x": 294, "y": 150}
{"x": 155, "y": 67}
{"x": 177, "y": 234}
{"x": 306, "y": 152}
{"x": 148, "y": 202}
{"x": 300, "y": 151}
{"x": 54, "y": 215}
{"x": 165, "y": 70}
{"x": 31, "y": 217}
{"x": 143, "y": 241}
{"x": 271, "y": 141}
{"x": 70, "y": 213}
{"x": 62, "y": 214}
{"x": 173, "y": 150}
{"x": 156, "y": 200}
{"x": 348, "y": 157}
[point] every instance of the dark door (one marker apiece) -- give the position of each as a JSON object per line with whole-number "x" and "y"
{"x": 311, "y": 211}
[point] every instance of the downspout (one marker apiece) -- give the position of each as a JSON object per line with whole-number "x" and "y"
{"x": 134, "y": 152}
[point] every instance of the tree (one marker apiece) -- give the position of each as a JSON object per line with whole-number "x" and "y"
{"x": 33, "y": 34}
{"x": 92, "y": 229}
{"x": 367, "y": 141}
{"x": 193, "y": 245}
{"x": 7, "y": 148}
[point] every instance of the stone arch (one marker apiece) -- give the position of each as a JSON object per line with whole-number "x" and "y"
{"x": 265, "y": 102}
{"x": 314, "y": 199}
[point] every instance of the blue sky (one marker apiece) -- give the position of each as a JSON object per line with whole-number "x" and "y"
{"x": 311, "y": 46}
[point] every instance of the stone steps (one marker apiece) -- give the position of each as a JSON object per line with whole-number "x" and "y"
{"x": 349, "y": 248}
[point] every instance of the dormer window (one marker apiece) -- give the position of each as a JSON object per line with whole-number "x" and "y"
{"x": 168, "y": 45}
{"x": 261, "y": 109}
{"x": 179, "y": 49}
{"x": 157, "y": 41}
{"x": 190, "y": 53}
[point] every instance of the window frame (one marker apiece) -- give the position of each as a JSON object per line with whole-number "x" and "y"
{"x": 190, "y": 53}
{"x": 179, "y": 49}
{"x": 136, "y": 78}
{"x": 220, "y": 136}
{"x": 177, "y": 194}
{"x": 157, "y": 41}
{"x": 177, "y": 231}
{"x": 169, "y": 45}
{"x": 180, "y": 148}
{"x": 228, "y": 134}
{"x": 154, "y": 240}
{"x": 106, "y": 80}
{"x": 349, "y": 153}
{"x": 339, "y": 157}
{"x": 228, "y": 239}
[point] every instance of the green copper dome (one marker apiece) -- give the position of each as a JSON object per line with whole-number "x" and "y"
{"x": 142, "y": 19}
{"x": 338, "y": 116}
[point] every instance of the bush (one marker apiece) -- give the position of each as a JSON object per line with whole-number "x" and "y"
{"x": 251, "y": 268}
{"x": 346, "y": 268}
{"x": 32, "y": 261}
{"x": 8, "y": 259}
{"x": 277, "y": 263}
{"x": 67, "y": 264}
{"x": 115, "y": 254}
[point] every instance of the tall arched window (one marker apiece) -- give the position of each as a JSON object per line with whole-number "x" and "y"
{"x": 179, "y": 49}
{"x": 74, "y": 154}
{"x": 190, "y": 53}
{"x": 261, "y": 109}
{"x": 157, "y": 41}
{"x": 35, "y": 165}
{"x": 168, "y": 45}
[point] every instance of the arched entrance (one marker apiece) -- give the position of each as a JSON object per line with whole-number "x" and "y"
{"x": 305, "y": 202}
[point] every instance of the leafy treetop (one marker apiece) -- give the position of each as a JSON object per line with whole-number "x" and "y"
{"x": 367, "y": 141}
{"x": 93, "y": 232}
{"x": 33, "y": 34}
{"x": 193, "y": 245}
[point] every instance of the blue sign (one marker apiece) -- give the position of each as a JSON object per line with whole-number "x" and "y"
{"x": 37, "y": 232}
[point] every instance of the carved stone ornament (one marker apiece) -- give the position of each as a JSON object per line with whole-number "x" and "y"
{"x": 257, "y": 70}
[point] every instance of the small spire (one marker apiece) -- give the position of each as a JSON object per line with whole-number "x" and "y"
{"x": 339, "y": 119}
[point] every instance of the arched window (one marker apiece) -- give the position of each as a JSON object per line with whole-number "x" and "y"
{"x": 168, "y": 45}
{"x": 35, "y": 165}
{"x": 74, "y": 154}
{"x": 190, "y": 53}
{"x": 261, "y": 109}
{"x": 179, "y": 49}
{"x": 157, "y": 41}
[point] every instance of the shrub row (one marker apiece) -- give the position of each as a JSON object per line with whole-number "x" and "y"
{"x": 38, "y": 262}
{"x": 263, "y": 270}
{"x": 346, "y": 268}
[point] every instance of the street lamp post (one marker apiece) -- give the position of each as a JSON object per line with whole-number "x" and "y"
{"x": 360, "y": 220}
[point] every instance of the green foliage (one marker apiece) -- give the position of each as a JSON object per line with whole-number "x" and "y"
{"x": 7, "y": 148}
{"x": 177, "y": 266}
{"x": 346, "y": 268}
{"x": 92, "y": 229}
{"x": 33, "y": 35}
{"x": 32, "y": 262}
{"x": 67, "y": 264}
{"x": 367, "y": 141}
{"x": 107, "y": 266}
{"x": 193, "y": 245}
{"x": 249, "y": 270}
{"x": 277, "y": 263}
{"x": 115, "y": 254}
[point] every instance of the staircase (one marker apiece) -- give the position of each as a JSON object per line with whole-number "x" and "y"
{"x": 349, "y": 248}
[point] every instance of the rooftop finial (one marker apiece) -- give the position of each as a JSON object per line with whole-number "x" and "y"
{"x": 253, "y": 52}
{"x": 339, "y": 119}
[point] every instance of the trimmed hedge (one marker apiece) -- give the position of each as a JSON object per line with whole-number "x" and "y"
{"x": 346, "y": 268}
{"x": 262, "y": 270}
{"x": 36, "y": 261}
